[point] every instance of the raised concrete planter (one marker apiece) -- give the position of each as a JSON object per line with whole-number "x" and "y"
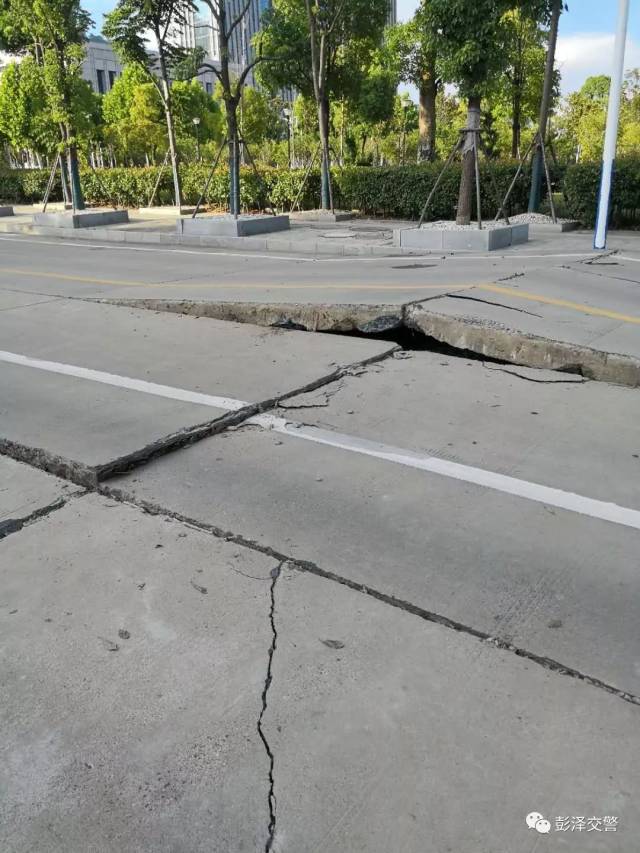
{"x": 321, "y": 216}
{"x": 550, "y": 228}
{"x": 228, "y": 226}
{"x": 168, "y": 210}
{"x": 81, "y": 218}
{"x": 7, "y": 210}
{"x": 442, "y": 239}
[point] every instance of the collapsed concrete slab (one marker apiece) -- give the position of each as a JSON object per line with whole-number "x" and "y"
{"x": 80, "y": 218}
{"x": 229, "y": 226}
{"x": 448, "y": 239}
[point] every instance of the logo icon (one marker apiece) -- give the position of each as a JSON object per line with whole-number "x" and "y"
{"x": 536, "y": 821}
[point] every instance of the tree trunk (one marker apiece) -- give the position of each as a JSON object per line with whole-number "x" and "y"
{"x": 171, "y": 134}
{"x": 427, "y": 120}
{"x": 516, "y": 122}
{"x": 323, "y": 123}
{"x": 467, "y": 181}
{"x": 77, "y": 198}
{"x": 234, "y": 158}
{"x": 536, "y": 166}
{"x": 177, "y": 189}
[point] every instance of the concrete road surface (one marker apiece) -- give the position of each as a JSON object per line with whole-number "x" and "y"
{"x": 301, "y": 593}
{"x": 555, "y": 303}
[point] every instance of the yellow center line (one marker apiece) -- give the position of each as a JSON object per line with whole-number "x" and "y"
{"x": 445, "y": 288}
{"x": 85, "y": 279}
{"x": 561, "y": 303}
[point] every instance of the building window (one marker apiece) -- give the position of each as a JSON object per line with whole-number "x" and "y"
{"x": 101, "y": 81}
{"x": 112, "y": 79}
{"x": 209, "y": 88}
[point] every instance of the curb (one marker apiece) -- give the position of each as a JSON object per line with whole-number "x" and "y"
{"x": 240, "y": 244}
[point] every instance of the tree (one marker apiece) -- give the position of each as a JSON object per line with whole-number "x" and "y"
{"x": 260, "y": 118}
{"x": 25, "y": 119}
{"x": 372, "y": 106}
{"x": 134, "y": 116}
{"x": 415, "y": 47}
{"x": 519, "y": 90}
{"x": 470, "y": 35}
{"x": 53, "y": 33}
{"x": 231, "y": 86}
{"x": 582, "y": 121}
{"x": 192, "y": 102}
{"x": 128, "y": 27}
{"x": 322, "y": 48}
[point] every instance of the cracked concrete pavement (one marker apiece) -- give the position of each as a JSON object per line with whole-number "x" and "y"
{"x": 378, "y": 600}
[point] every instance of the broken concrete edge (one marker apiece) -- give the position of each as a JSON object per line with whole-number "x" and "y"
{"x": 465, "y": 334}
{"x": 14, "y": 525}
{"x": 281, "y": 315}
{"x": 240, "y": 244}
{"x": 508, "y": 345}
{"x": 66, "y": 469}
{"x": 90, "y": 476}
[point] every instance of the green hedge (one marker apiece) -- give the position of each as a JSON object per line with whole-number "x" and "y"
{"x": 397, "y": 192}
{"x": 582, "y": 185}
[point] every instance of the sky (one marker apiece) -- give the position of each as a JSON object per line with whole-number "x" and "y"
{"x": 585, "y": 44}
{"x": 585, "y": 41}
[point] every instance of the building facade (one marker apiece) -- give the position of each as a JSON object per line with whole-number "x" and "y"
{"x": 101, "y": 66}
{"x": 201, "y": 31}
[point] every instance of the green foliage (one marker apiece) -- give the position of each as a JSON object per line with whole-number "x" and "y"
{"x": 128, "y": 24}
{"x": 133, "y": 115}
{"x": 395, "y": 191}
{"x": 25, "y": 120}
{"x": 191, "y": 101}
{"x": 51, "y": 34}
{"x": 581, "y": 123}
{"x": 514, "y": 98}
{"x": 259, "y": 117}
{"x": 353, "y": 31}
{"x": 470, "y": 38}
{"x": 582, "y": 184}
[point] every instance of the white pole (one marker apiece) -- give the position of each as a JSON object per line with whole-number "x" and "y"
{"x": 611, "y": 136}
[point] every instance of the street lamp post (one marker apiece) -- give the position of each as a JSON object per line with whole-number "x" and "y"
{"x": 196, "y": 122}
{"x": 613, "y": 119}
{"x": 287, "y": 114}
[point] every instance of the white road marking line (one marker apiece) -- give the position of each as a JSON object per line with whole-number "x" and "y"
{"x": 140, "y": 385}
{"x": 156, "y": 249}
{"x": 627, "y": 258}
{"x": 465, "y": 473}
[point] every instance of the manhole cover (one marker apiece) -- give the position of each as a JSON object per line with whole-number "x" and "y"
{"x": 338, "y": 235}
